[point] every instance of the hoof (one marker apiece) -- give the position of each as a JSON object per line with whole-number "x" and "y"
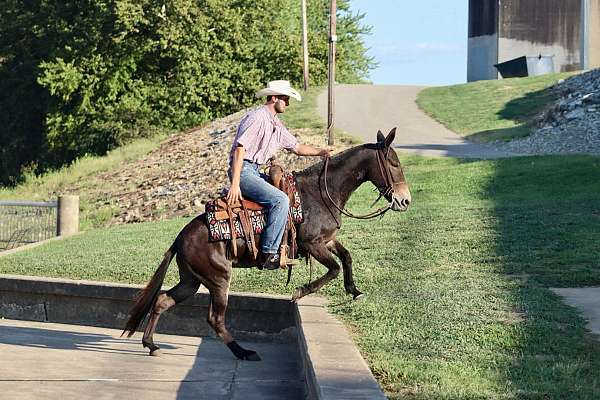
{"x": 154, "y": 349}
{"x": 252, "y": 356}
{"x": 155, "y": 353}
{"x": 358, "y": 296}
{"x": 297, "y": 295}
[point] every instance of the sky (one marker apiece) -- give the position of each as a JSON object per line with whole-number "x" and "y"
{"x": 416, "y": 42}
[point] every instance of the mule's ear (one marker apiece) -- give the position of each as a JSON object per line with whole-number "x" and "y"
{"x": 380, "y": 137}
{"x": 390, "y": 138}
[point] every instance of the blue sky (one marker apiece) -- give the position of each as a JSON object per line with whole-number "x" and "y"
{"x": 417, "y": 42}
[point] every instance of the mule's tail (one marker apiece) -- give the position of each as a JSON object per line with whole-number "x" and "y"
{"x": 144, "y": 300}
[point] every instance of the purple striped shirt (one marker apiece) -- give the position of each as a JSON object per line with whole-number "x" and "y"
{"x": 262, "y": 135}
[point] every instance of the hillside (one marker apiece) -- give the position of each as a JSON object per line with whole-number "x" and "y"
{"x": 548, "y": 114}
{"x": 178, "y": 178}
{"x": 165, "y": 179}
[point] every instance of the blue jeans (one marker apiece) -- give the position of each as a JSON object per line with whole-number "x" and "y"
{"x": 255, "y": 186}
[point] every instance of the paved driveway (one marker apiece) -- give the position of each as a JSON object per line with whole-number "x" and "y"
{"x": 363, "y": 109}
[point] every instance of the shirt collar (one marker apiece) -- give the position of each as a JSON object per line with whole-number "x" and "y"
{"x": 273, "y": 118}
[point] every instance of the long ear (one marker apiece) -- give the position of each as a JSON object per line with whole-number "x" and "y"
{"x": 380, "y": 137}
{"x": 390, "y": 138}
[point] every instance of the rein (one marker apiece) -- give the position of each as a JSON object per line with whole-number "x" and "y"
{"x": 389, "y": 181}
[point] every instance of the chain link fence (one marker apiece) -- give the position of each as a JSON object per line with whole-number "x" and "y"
{"x": 24, "y": 222}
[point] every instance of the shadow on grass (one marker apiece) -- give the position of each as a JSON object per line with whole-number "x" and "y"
{"x": 521, "y": 111}
{"x": 547, "y": 215}
{"x": 501, "y": 135}
{"x": 464, "y": 150}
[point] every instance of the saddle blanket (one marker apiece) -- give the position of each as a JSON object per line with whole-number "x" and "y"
{"x": 219, "y": 229}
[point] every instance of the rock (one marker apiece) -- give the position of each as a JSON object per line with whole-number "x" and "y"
{"x": 575, "y": 114}
{"x": 570, "y": 125}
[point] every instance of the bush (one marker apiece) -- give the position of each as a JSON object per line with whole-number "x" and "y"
{"x": 83, "y": 77}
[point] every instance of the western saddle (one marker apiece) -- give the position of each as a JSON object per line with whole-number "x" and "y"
{"x": 240, "y": 210}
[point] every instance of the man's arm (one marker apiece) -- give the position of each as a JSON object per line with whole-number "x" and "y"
{"x": 308, "y": 150}
{"x": 235, "y": 194}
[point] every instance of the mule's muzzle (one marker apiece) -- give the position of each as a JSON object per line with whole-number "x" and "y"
{"x": 400, "y": 199}
{"x": 400, "y": 204}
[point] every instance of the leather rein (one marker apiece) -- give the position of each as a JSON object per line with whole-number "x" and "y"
{"x": 385, "y": 172}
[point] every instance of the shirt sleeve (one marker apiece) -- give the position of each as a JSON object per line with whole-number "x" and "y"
{"x": 286, "y": 139}
{"x": 249, "y": 130}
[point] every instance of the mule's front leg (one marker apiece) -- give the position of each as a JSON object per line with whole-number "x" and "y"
{"x": 322, "y": 254}
{"x": 344, "y": 255}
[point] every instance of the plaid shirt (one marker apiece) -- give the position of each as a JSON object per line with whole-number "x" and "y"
{"x": 262, "y": 135}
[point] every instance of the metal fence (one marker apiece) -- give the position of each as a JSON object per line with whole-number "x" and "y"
{"x": 23, "y": 222}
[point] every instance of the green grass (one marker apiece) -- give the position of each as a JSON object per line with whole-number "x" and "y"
{"x": 457, "y": 304}
{"x": 487, "y": 111}
{"x": 40, "y": 187}
{"x": 50, "y": 185}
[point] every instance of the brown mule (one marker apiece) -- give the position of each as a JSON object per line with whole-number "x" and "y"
{"x": 203, "y": 262}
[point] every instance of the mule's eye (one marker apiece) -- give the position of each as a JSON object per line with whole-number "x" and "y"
{"x": 394, "y": 163}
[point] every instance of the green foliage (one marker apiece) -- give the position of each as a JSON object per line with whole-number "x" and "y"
{"x": 85, "y": 77}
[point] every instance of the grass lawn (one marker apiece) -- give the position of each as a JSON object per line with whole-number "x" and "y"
{"x": 487, "y": 111}
{"x": 457, "y": 303}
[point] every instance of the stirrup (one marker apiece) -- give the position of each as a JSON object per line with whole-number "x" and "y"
{"x": 284, "y": 261}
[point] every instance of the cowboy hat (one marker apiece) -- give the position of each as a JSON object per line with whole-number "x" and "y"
{"x": 279, "y": 88}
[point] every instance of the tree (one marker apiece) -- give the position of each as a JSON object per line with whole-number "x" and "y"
{"x": 83, "y": 77}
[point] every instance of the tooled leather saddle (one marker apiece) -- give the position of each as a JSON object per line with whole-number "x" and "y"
{"x": 246, "y": 219}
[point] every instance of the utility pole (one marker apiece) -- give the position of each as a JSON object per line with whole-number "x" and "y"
{"x": 330, "y": 100}
{"x": 585, "y": 34}
{"x": 305, "y": 44}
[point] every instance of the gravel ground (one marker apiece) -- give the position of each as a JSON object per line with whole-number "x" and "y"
{"x": 571, "y": 125}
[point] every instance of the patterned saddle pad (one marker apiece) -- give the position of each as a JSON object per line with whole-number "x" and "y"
{"x": 219, "y": 226}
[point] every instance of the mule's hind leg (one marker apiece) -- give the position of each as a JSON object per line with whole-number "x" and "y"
{"x": 216, "y": 319}
{"x": 187, "y": 286}
{"x": 322, "y": 254}
{"x": 344, "y": 255}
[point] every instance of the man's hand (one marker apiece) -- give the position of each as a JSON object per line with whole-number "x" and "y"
{"x": 325, "y": 153}
{"x": 234, "y": 195}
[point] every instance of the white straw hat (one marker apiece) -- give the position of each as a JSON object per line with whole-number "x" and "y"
{"x": 279, "y": 88}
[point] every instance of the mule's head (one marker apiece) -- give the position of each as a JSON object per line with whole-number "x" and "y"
{"x": 387, "y": 175}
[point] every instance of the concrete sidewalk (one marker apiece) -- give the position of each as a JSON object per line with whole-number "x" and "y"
{"x": 361, "y": 110}
{"x": 57, "y": 361}
{"x": 587, "y": 301}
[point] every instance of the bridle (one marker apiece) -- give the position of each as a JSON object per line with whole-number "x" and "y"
{"x": 386, "y": 173}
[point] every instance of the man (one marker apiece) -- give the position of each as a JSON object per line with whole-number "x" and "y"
{"x": 259, "y": 136}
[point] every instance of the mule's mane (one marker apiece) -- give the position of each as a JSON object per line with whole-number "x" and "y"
{"x": 342, "y": 157}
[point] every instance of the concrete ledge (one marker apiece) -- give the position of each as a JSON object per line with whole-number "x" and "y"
{"x": 333, "y": 366}
{"x": 249, "y": 316}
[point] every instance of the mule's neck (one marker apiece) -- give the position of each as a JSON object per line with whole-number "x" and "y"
{"x": 345, "y": 173}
